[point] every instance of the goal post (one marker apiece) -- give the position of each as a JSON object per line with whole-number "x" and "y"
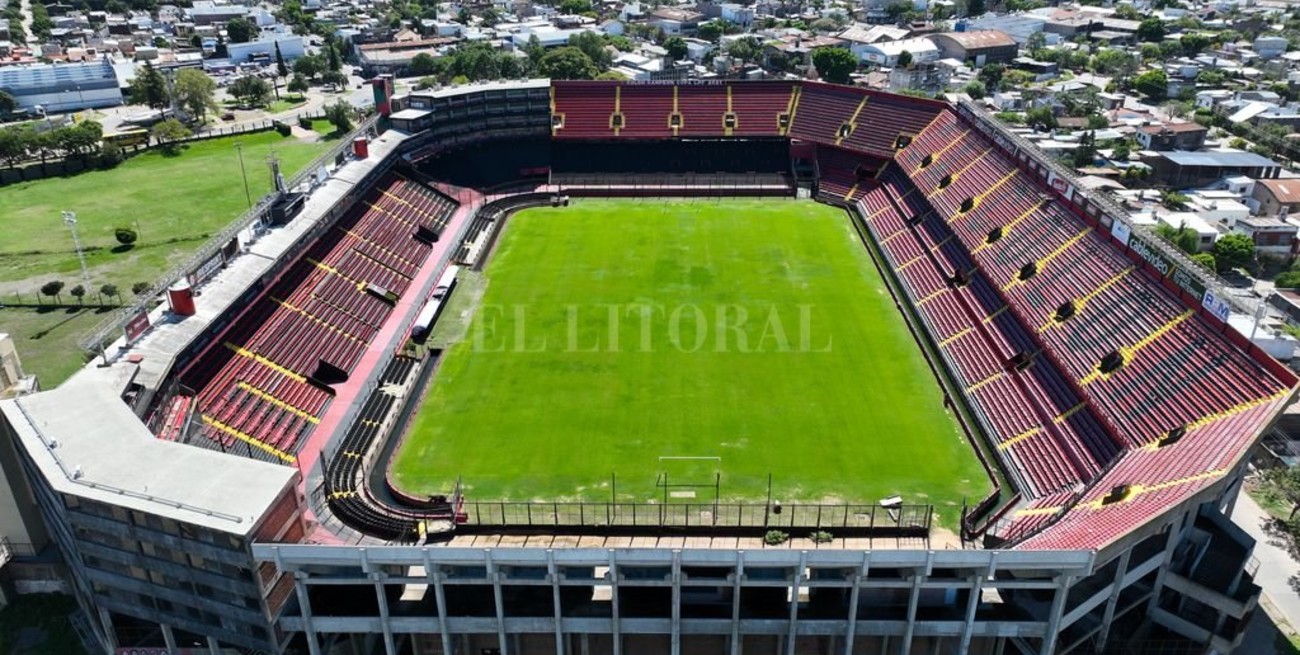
{"x": 689, "y": 478}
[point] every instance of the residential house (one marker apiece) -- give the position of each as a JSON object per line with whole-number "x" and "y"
{"x": 1172, "y": 136}
{"x": 1279, "y": 196}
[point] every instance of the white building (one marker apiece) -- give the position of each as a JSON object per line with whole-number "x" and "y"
{"x": 886, "y": 54}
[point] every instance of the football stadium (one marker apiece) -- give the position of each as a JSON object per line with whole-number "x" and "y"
{"x": 727, "y": 366}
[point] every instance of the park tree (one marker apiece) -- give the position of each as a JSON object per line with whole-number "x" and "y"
{"x": 8, "y": 103}
{"x": 335, "y": 79}
{"x": 340, "y": 114}
{"x": 109, "y": 290}
{"x": 1151, "y": 30}
{"x": 332, "y": 59}
{"x": 13, "y": 146}
{"x": 309, "y": 66}
{"x": 139, "y": 288}
{"x": 251, "y": 90}
{"x": 834, "y": 64}
{"x": 125, "y": 236}
{"x": 195, "y": 92}
{"x": 78, "y": 292}
{"x": 149, "y": 88}
{"x": 168, "y": 134}
{"x": 1233, "y": 250}
{"x": 568, "y": 63}
{"x": 298, "y": 84}
{"x": 52, "y": 289}
{"x": 676, "y": 47}
{"x": 281, "y": 68}
{"x": 240, "y": 30}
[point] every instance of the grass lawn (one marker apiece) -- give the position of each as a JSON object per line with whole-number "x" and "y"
{"x": 176, "y": 201}
{"x": 46, "y": 339}
{"x": 582, "y": 360}
{"x": 37, "y": 624}
{"x": 285, "y": 103}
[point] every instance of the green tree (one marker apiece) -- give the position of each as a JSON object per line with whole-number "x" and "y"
{"x": 108, "y": 290}
{"x": 745, "y": 49}
{"x": 568, "y": 63}
{"x": 593, "y": 45}
{"x": 975, "y": 8}
{"x": 991, "y": 75}
{"x": 835, "y": 64}
{"x": 1121, "y": 152}
{"x": 613, "y": 76}
{"x": 534, "y": 50}
{"x": 1182, "y": 236}
{"x": 975, "y": 89}
{"x": 712, "y": 30}
{"x": 125, "y": 236}
{"x": 281, "y": 68}
{"x": 298, "y": 84}
{"x": 339, "y": 114}
{"x": 1233, "y": 250}
{"x": 251, "y": 90}
{"x": 335, "y": 79}
{"x": 1127, "y": 12}
{"x": 1110, "y": 61}
{"x": 168, "y": 133}
{"x": 195, "y": 92}
{"x": 148, "y": 88}
{"x": 309, "y": 66}
{"x": 8, "y": 104}
{"x": 905, "y": 59}
{"x": 1204, "y": 259}
{"x": 423, "y": 64}
{"x": 1151, "y": 30}
{"x": 1194, "y": 44}
{"x": 575, "y": 6}
{"x": 240, "y": 30}
{"x": 1154, "y": 84}
{"x": 1086, "y": 153}
{"x": 78, "y": 292}
{"x": 676, "y": 47}
{"x": 52, "y": 289}
{"x": 1040, "y": 118}
{"x": 139, "y": 288}
{"x": 332, "y": 60}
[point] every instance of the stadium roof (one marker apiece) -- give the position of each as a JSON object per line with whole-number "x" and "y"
{"x": 1219, "y": 159}
{"x": 89, "y": 443}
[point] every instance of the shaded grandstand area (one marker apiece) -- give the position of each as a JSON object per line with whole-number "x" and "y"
{"x": 265, "y": 381}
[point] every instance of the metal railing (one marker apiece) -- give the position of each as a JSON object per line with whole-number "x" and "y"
{"x": 105, "y": 331}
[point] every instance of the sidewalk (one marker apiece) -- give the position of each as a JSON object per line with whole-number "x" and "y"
{"x": 1275, "y": 566}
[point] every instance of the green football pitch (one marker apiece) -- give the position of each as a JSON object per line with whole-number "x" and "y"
{"x": 618, "y": 342}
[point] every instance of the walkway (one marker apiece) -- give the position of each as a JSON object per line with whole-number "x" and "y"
{"x": 1276, "y": 566}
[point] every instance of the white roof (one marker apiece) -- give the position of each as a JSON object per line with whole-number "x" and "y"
{"x": 895, "y": 48}
{"x": 87, "y": 442}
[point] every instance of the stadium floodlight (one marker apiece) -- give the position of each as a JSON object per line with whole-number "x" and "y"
{"x": 239, "y": 147}
{"x": 70, "y": 219}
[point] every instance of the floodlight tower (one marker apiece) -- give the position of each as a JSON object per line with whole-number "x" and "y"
{"x": 70, "y": 219}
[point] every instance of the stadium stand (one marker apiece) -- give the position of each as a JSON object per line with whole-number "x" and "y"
{"x": 265, "y": 381}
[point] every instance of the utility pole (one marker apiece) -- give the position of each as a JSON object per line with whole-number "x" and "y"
{"x": 239, "y": 147}
{"x": 70, "y": 219}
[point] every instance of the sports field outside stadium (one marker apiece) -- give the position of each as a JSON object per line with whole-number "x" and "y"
{"x": 619, "y": 341}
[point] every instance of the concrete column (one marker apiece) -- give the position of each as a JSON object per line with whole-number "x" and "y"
{"x": 304, "y": 604}
{"x": 973, "y": 603}
{"x": 169, "y": 638}
{"x": 214, "y": 647}
{"x": 1054, "y": 616}
{"x": 554, "y": 572}
{"x": 737, "y": 577}
{"x": 794, "y": 603}
{"x": 390, "y": 646}
{"x": 1175, "y": 533}
{"x": 676, "y": 639}
{"x": 439, "y": 597}
{"x": 613, "y": 599}
{"x": 498, "y": 600}
{"x": 106, "y": 620}
{"x": 913, "y": 600}
{"x": 855, "y": 594}
{"x": 1116, "y": 587}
